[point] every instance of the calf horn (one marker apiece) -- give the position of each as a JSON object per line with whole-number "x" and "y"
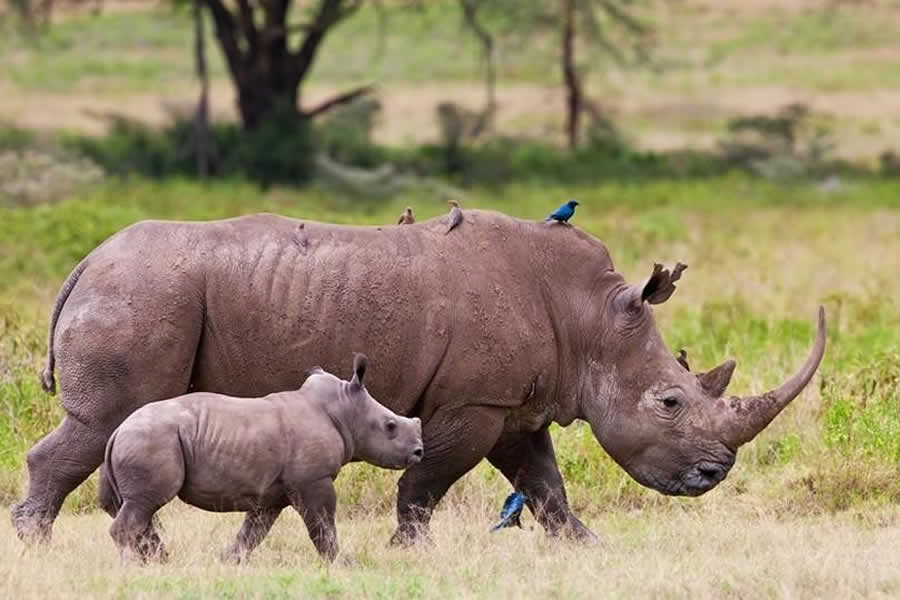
{"x": 746, "y": 417}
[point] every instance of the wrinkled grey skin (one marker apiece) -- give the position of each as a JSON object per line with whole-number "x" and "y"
{"x": 488, "y": 335}
{"x": 257, "y": 455}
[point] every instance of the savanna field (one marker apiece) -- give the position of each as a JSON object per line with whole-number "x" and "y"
{"x": 812, "y": 507}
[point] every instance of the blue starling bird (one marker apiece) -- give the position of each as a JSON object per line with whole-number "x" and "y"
{"x": 511, "y": 511}
{"x": 563, "y": 213}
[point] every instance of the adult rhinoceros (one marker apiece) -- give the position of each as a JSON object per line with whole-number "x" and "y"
{"x": 488, "y": 334}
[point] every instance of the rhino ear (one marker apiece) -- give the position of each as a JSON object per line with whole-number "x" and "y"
{"x": 360, "y": 363}
{"x": 656, "y": 290}
{"x": 661, "y": 284}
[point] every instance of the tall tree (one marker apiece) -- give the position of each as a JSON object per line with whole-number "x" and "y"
{"x": 266, "y": 68}
{"x": 609, "y": 25}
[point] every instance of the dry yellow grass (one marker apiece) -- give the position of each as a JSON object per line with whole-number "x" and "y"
{"x": 770, "y": 530}
{"x": 715, "y": 547}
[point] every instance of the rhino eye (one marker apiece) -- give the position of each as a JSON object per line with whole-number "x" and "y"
{"x": 391, "y": 426}
{"x": 670, "y": 401}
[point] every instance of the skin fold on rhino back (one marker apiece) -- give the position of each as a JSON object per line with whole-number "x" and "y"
{"x": 247, "y": 305}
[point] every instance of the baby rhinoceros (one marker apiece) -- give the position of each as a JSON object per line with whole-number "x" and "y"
{"x": 257, "y": 455}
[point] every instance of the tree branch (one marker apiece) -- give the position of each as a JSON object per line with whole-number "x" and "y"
{"x": 225, "y": 26}
{"x": 248, "y": 27}
{"x": 344, "y": 98}
{"x": 330, "y": 13}
{"x": 201, "y": 114}
{"x": 570, "y": 74}
{"x": 632, "y": 23}
{"x": 470, "y": 10}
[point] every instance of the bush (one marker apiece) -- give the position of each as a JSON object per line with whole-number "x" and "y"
{"x": 280, "y": 150}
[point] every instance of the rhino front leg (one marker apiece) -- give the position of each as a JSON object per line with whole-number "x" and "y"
{"x": 316, "y": 503}
{"x": 455, "y": 441}
{"x": 257, "y": 524}
{"x": 528, "y": 461}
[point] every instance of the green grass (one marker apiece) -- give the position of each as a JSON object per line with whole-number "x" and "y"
{"x": 761, "y": 257}
{"x": 823, "y": 477}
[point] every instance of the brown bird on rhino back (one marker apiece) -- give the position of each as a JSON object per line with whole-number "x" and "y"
{"x": 532, "y": 326}
{"x": 407, "y": 218}
{"x": 455, "y": 217}
{"x": 256, "y": 455}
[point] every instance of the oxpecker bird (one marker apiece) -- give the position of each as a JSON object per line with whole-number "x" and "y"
{"x": 300, "y": 238}
{"x": 407, "y": 218}
{"x": 682, "y": 359}
{"x": 563, "y": 213}
{"x": 511, "y": 512}
{"x": 456, "y": 216}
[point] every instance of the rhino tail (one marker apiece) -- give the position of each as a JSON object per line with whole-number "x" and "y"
{"x": 48, "y": 381}
{"x": 110, "y": 498}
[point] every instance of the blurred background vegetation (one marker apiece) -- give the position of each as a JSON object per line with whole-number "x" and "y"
{"x": 754, "y": 139}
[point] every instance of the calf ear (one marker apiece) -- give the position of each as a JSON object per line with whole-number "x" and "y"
{"x": 360, "y": 362}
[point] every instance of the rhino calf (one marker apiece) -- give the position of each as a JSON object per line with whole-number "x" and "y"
{"x": 257, "y": 455}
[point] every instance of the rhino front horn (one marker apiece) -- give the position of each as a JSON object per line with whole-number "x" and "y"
{"x": 746, "y": 417}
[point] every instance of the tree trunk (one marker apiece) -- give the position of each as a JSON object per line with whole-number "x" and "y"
{"x": 201, "y": 115}
{"x": 574, "y": 97}
{"x": 258, "y": 98}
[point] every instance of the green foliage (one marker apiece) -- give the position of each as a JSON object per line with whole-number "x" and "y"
{"x": 280, "y": 150}
{"x": 862, "y": 409}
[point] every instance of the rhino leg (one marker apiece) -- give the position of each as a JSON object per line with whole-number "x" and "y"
{"x": 316, "y": 503}
{"x": 57, "y": 465}
{"x": 528, "y": 461}
{"x": 135, "y": 529}
{"x": 111, "y": 362}
{"x": 455, "y": 441}
{"x": 257, "y": 524}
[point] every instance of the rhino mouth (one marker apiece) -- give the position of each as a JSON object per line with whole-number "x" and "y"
{"x": 704, "y": 476}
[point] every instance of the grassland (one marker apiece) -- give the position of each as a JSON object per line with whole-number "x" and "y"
{"x": 713, "y": 61}
{"x": 811, "y": 509}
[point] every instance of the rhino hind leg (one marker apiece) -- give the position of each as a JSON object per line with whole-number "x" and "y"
{"x": 455, "y": 440}
{"x": 528, "y": 461}
{"x": 56, "y": 465}
{"x": 135, "y": 529}
{"x": 256, "y": 526}
{"x": 106, "y": 372}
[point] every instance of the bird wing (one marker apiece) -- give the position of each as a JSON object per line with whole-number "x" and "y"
{"x": 401, "y": 219}
{"x": 560, "y": 213}
{"x": 455, "y": 219}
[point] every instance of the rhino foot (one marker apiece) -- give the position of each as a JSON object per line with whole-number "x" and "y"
{"x": 33, "y": 525}
{"x": 575, "y": 531}
{"x": 411, "y": 534}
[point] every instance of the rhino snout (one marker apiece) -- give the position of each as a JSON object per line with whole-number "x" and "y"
{"x": 415, "y": 456}
{"x": 704, "y": 476}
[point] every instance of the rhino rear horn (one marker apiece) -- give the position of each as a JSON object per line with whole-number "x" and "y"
{"x": 360, "y": 363}
{"x": 715, "y": 381}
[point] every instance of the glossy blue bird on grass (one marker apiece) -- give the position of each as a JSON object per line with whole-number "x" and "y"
{"x": 563, "y": 213}
{"x": 511, "y": 512}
